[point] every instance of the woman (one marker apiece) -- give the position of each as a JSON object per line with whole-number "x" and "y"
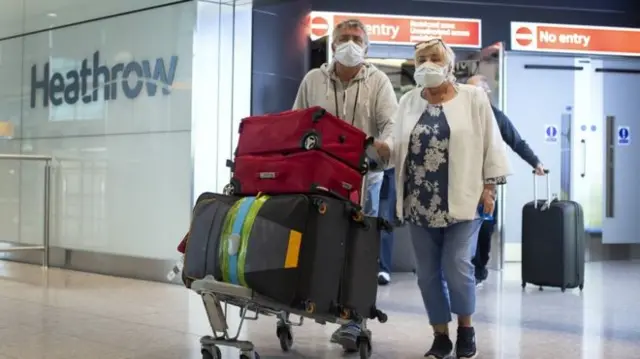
{"x": 449, "y": 158}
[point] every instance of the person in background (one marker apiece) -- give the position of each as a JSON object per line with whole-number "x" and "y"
{"x": 356, "y": 91}
{"x": 449, "y": 157}
{"x": 388, "y": 212}
{"x": 512, "y": 138}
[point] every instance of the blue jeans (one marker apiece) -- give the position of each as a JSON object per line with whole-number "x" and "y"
{"x": 445, "y": 273}
{"x": 372, "y": 199}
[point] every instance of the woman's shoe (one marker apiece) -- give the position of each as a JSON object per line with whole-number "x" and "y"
{"x": 441, "y": 347}
{"x": 466, "y": 343}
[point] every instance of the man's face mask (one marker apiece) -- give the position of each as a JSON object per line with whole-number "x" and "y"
{"x": 430, "y": 75}
{"x": 349, "y": 54}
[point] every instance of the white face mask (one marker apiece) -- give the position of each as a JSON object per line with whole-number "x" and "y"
{"x": 349, "y": 54}
{"x": 430, "y": 75}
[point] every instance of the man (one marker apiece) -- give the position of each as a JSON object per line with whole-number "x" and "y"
{"x": 362, "y": 95}
{"x": 512, "y": 138}
{"x": 388, "y": 212}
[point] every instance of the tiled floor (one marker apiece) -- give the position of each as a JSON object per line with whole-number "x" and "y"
{"x": 68, "y": 315}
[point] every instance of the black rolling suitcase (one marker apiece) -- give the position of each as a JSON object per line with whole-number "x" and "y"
{"x": 316, "y": 253}
{"x": 553, "y": 239}
{"x": 281, "y": 247}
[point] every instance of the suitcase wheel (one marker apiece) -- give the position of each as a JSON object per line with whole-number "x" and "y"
{"x": 581, "y": 287}
{"x": 364, "y": 168}
{"x": 253, "y": 355}
{"x": 310, "y": 141}
{"x": 232, "y": 188}
{"x": 358, "y": 216}
{"x": 310, "y": 307}
{"x": 285, "y": 336}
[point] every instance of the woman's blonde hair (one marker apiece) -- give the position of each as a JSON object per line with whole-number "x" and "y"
{"x": 436, "y": 44}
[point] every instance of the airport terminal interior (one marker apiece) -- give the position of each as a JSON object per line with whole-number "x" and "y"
{"x": 116, "y": 115}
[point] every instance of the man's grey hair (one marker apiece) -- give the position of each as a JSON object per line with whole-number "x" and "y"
{"x": 350, "y": 24}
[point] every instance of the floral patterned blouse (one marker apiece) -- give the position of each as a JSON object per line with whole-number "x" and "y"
{"x": 427, "y": 171}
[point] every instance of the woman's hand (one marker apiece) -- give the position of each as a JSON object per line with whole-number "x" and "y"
{"x": 383, "y": 150}
{"x": 488, "y": 200}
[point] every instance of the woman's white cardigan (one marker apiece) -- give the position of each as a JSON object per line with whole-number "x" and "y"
{"x": 476, "y": 149}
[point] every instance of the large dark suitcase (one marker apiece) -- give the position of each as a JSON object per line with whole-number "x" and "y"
{"x": 290, "y": 248}
{"x": 359, "y": 284}
{"x": 301, "y": 130}
{"x": 553, "y": 237}
{"x": 294, "y": 173}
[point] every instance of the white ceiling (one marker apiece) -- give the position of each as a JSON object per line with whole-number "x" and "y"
{"x": 23, "y": 16}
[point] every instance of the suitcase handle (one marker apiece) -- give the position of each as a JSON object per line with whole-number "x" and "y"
{"x": 326, "y": 191}
{"x": 535, "y": 189}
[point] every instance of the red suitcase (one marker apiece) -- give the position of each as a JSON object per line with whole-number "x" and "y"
{"x": 294, "y": 173}
{"x": 300, "y": 130}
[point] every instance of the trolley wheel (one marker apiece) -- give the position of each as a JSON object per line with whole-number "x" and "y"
{"x": 212, "y": 353}
{"x": 563, "y": 289}
{"x": 540, "y": 288}
{"x": 285, "y": 336}
{"x": 310, "y": 141}
{"x": 364, "y": 347}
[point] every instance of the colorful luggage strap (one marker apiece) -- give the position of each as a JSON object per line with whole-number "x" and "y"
{"x": 237, "y": 240}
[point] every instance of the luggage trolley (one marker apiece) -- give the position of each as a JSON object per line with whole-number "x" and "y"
{"x": 218, "y": 296}
{"x": 251, "y": 307}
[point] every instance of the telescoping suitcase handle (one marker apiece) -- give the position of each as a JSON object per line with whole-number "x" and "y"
{"x": 535, "y": 189}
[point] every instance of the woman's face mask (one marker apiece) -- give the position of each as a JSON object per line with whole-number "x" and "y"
{"x": 430, "y": 75}
{"x": 349, "y": 54}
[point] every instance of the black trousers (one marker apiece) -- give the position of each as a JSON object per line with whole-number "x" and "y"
{"x": 483, "y": 249}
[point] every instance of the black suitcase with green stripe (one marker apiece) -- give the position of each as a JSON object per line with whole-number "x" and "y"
{"x": 294, "y": 249}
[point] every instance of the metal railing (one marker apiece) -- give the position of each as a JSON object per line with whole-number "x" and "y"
{"x": 47, "y": 207}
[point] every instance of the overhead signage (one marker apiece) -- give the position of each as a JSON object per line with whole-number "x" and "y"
{"x": 95, "y": 81}
{"x": 530, "y": 36}
{"x": 402, "y": 30}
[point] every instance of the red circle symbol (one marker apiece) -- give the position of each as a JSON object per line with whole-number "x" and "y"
{"x": 524, "y": 36}
{"x": 319, "y": 26}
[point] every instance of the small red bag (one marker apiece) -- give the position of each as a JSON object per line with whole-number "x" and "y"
{"x": 295, "y": 173}
{"x": 302, "y": 130}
